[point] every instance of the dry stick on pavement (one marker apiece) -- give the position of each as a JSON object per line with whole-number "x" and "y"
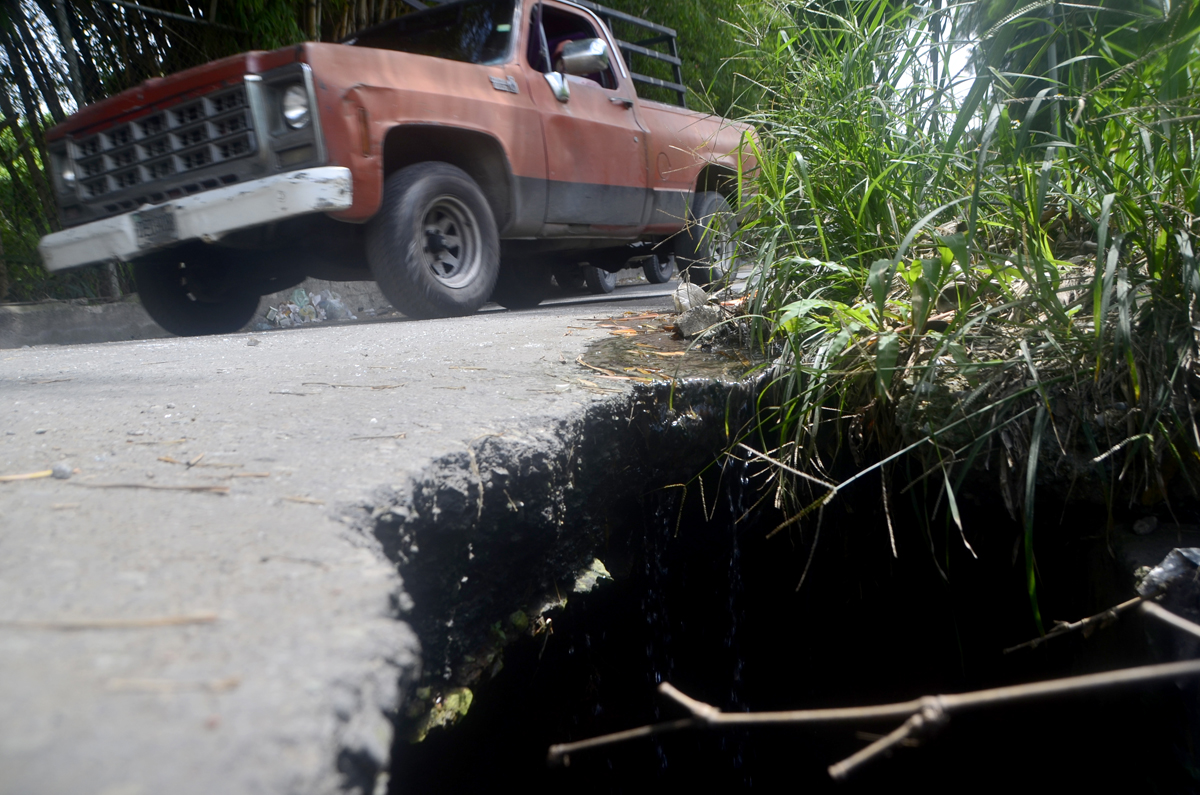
{"x": 304, "y": 500}
{"x": 43, "y": 473}
{"x": 931, "y": 709}
{"x": 1062, "y": 628}
{"x": 351, "y": 386}
{"x": 155, "y": 487}
{"x": 171, "y": 685}
{"x": 114, "y": 623}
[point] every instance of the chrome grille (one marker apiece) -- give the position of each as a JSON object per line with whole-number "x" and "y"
{"x": 165, "y": 145}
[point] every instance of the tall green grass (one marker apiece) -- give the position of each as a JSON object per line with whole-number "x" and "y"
{"x": 992, "y": 264}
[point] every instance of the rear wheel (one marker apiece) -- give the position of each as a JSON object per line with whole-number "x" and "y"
{"x": 433, "y": 246}
{"x": 658, "y": 270}
{"x": 194, "y": 290}
{"x": 569, "y": 277}
{"x": 599, "y": 282}
{"x": 523, "y": 284}
{"x": 705, "y": 248}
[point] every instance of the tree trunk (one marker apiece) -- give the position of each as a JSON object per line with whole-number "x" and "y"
{"x": 41, "y": 74}
{"x": 68, "y": 46}
{"x": 3, "y": 264}
{"x": 89, "y": 76}
{"x": 36, "y": 175}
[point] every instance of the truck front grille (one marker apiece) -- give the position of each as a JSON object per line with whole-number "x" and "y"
{"x": 148, "y": 160}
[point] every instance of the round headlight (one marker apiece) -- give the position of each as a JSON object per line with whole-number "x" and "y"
{"x": 295, "y": 106}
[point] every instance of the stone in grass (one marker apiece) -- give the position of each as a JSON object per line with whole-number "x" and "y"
{"x": 688, "y": 296}
{"x": 696, "y": 321}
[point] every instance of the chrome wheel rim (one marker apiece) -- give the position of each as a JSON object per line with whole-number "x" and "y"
{"x": 451, "y": 242}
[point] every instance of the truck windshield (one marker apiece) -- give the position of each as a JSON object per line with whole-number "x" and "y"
{"x": 475, "y": 31}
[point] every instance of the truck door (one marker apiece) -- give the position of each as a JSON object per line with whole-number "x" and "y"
{"x": 597, "y": 171}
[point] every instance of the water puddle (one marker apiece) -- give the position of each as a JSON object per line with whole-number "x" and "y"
{"x": 645, "y": 348}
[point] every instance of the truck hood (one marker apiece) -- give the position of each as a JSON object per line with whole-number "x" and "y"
{"x": 161, "y": 91}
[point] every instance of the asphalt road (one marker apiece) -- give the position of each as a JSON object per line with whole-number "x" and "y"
{"x": 187, "y": 613}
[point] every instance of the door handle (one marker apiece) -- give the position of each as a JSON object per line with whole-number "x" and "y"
{"x": 623, "y": 101}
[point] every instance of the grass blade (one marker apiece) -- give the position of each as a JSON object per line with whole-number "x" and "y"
{"x": 1035, "y": 445}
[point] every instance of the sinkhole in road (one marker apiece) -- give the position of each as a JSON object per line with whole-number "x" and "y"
{"x": 701, "y": 598}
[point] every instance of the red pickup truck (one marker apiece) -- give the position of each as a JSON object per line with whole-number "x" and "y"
{"x": 453, "y": 155}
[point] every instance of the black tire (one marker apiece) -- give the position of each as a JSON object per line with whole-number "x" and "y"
{"x": 658, "y": 270}
{"x": 522, "y": 284}
{"x": 193, "y": 290}
{"x": 705, "y": 248}
{"x": 569, "y": 277}
{"x": 433, "y": 246}
{"x": 599, "y": 282}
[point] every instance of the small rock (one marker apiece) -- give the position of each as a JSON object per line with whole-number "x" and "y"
{"x": 688, "y": 296}
{"x": 40, "y": 431}
{"x": 252, "y": 342}
{"x": 1145, "y": 526}
{"x": 697, "y": 320}
{"x": 170, "y": 405}
{"x": 62, "y": 470}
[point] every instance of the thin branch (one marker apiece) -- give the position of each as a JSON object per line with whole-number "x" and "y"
{"x": 172, "y": 15}
{"x": 1062, "y": 628}
{"x": 706, "y": 716}
{"x": 74, "y": 624}
{"x": 923, "y": 724}
{"x": 1179, "y": 622}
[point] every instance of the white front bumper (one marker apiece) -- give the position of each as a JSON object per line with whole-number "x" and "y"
{"x": 209, "y": 214}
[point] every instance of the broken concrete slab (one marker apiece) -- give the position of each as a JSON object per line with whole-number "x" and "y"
{"x": 198, "y": 608}
{"x": 697, "y": 320}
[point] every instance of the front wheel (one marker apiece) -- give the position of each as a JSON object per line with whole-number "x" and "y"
{"x": 705, "y": 248}
{"x": 194, "y": 290}
{"x": 433, "y": 246}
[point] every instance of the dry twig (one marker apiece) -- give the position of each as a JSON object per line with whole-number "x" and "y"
{"x": 352, "y": 386}
{"x": 171, "y": 685}
{"x": 1086, "y": 624}
{"x": 43, "y": 473}
{"x": 1164, "y": 615}
{"x": 931, "y": 711}
{"x": 71, "y": 624}
{"x": 155, "y": 487}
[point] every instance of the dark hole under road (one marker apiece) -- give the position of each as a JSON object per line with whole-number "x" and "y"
{"x": 712, "y": 607}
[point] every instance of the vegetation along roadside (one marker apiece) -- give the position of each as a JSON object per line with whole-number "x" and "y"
{"x": 974, "y": 236}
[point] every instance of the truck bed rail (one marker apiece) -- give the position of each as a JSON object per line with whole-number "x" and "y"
{"x": 662, "y": 36}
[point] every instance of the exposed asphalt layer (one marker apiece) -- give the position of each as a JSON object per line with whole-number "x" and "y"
{"x": 157, "y": 638}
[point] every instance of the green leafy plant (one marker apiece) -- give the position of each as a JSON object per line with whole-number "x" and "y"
{"x": 989, "y": 263}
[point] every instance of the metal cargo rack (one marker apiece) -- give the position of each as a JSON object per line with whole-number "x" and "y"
{"x": 660, "y": 36}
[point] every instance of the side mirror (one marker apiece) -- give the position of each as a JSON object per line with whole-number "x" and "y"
{"x": 583, "y": 57}
{"x": 558, "y": 85}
